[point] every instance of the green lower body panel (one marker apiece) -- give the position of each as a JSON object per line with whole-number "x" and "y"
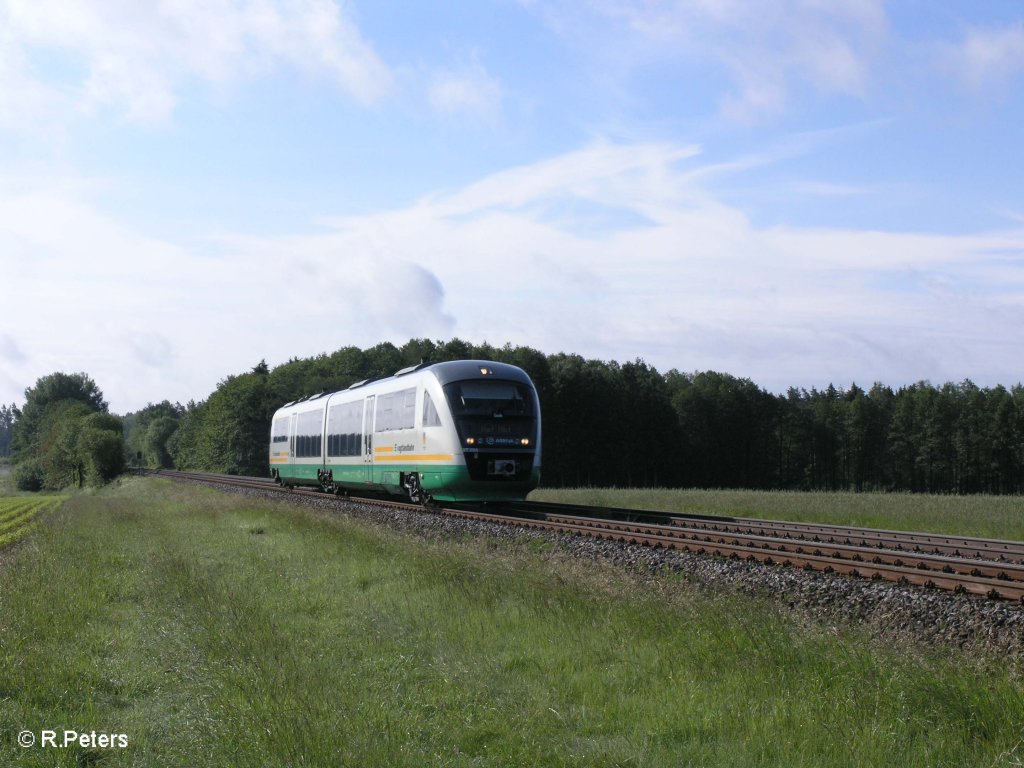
{"x": 299, "y": 474}
{"x": 449, "y": 482}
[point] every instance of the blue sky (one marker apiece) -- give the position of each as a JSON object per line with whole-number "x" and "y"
{"x": 796, "y": 191}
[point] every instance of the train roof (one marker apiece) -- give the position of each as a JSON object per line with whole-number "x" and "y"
{"x": 459, "y": 370}
{"x": 445, "y": 373}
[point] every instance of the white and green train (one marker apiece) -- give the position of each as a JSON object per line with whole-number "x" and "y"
{"x": 466, "y": 430}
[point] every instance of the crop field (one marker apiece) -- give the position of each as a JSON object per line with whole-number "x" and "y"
{"x": 995, "y": 517}
{"x": 18, "y": 515}
{"x": 196, "y": 627}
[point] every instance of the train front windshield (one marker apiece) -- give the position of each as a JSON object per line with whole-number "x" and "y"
{"x": 493, "y": 412}
{"x": 497, "y": 399}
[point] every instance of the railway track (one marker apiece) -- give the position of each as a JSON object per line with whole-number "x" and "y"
{"x": 988, "y": 567}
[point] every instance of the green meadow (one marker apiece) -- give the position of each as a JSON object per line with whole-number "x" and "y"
{"x": 995, "y": 517}
{"x": 213, "y": 629}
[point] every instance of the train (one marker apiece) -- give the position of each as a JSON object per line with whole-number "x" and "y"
{"x": 463, "y": 430}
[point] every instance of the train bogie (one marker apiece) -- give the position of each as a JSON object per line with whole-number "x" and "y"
{"x": 465, "y": 430}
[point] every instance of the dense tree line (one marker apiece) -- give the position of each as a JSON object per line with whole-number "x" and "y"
{"x": 7, "y": 417}
{"x": 957, "y": 438}
{"x": 629, "y": 425}
{"x": 64, "y": 435}
{"x": 605, "y": 424}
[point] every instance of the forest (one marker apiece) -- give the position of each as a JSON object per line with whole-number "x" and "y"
{"x": 605, "y": 424}
{"x": 612, "y": 424}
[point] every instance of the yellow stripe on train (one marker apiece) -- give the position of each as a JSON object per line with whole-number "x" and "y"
{"x": 416, "y": 457}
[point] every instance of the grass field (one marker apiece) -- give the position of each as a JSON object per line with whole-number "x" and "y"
{"x": 18, "y": 515}
{"x": 211, "y": 629}
{"x": 998, "y": 517}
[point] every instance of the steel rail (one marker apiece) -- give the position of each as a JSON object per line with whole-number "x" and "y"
{"x": 852, "y": 553}
{"x": 999, "y": 550}
{"x": 955, "y": 582}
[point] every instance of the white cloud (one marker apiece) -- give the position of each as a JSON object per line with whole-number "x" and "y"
{"x": 10, "y": 352}
{"x": 767, "y": 48}
{"x": 606, "y": 172}
{"x": 151, "y": 319}
{"x": 987, "y": 55}
{"x": 135, "y": 58}
{"x": 467, "y": 91}
{"x": 24, "y": 100}
{"x": 698, "y": 285}
{"x": 151, "y": 348}
{"x": 687, "y": 281}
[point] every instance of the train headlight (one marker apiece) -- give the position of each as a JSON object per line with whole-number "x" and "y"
{"x": 525, "y": 441}
{"x": 470, "y": 441}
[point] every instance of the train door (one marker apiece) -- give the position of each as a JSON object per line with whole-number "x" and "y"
{"x": 368, "y": 438}
{"x": 291, "y": 439}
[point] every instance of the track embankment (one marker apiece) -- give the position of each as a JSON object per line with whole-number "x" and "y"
{"x": 966, "y": 592}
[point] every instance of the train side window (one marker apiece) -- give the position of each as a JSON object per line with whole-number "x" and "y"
{"x": 279, "y": 434}
{"x": 396, "y": 410}
{"x": 431, "y": 418}
{"x": 309, "y": 439}
{"x": 384, "y": 408}
{"x": 406, "y": 415}
{"x": 345, "y": 429}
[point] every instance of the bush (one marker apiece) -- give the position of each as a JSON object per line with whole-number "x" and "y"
{"x": 29, "y": 475}
{"x": 101, "y": 453}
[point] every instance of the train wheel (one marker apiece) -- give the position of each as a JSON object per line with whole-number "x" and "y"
{"x": 415, "y": 490}
{"x": 327, "y": 481}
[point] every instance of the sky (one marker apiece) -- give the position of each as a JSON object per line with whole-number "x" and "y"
{"x": 799, "y": 192}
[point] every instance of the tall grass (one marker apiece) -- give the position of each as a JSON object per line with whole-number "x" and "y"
{"x": 216, "y": 630}
{"x": 999, "y": 517}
